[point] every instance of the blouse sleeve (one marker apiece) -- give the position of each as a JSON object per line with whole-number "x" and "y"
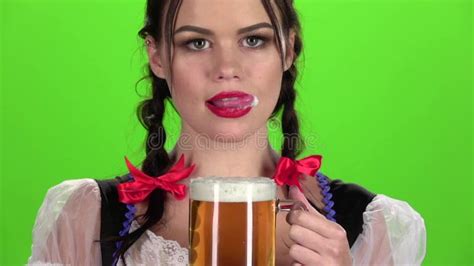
{"x": 393, "y": 234}
{"x": 67, "y": 224}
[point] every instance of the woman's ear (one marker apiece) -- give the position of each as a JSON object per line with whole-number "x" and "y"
{"x": 154, "y": 57}
{"x": 290, "y": 54}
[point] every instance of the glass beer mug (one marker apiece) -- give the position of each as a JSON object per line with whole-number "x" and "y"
{"x": 232, "y": 221}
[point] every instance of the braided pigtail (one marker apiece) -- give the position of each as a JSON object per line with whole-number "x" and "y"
{"x": 150, "y": 113}
{"x": 292, "y": 144}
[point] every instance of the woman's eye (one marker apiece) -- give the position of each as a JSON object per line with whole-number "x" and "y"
{"x": 201, "y": 44}
{"x": 255, "y": 41}
{"x": 196, "y": 44}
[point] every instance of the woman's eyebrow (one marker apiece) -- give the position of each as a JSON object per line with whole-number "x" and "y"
{"x": 210, "y": 32}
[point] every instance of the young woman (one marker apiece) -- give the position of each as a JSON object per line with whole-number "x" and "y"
{"x": 227, "y": 67}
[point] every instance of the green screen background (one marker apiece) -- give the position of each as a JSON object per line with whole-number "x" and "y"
{"x": 385, "y": 96}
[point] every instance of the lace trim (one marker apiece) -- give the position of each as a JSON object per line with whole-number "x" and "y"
{"x": 173, "y": 244}
{"x": 152, "y": 249}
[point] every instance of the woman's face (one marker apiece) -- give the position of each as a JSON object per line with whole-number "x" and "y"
{"x": 214, "y": 53}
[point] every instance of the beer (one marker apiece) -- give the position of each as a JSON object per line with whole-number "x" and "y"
{"x": 232, "y": 221}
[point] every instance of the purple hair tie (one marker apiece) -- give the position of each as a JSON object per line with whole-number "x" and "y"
{"x": 325, "y": 188}
{"x": 129, "y": 215}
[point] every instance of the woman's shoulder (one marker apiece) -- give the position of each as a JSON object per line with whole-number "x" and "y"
{"x": 61, "y": 192}
{"x": 80, "y": 192}
{"x": 393, "y": 210}
{"x": 359, "y": 209}
{"x": 351, "y": 196}
{"x": 350, "y": 193}
{"x": 84, "y": 187}
{"x": 68, "y": 196}
{"x": 70, "y": 206}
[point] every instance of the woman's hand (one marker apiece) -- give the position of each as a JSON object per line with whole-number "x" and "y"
{"x": 318, "y": 241}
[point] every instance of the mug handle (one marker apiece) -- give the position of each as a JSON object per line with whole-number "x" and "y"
{"x": 289, "y": 205}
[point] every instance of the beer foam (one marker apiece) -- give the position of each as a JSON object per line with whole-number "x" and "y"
{"x": 232, "y": 189}
{"x": 255, "y": 101}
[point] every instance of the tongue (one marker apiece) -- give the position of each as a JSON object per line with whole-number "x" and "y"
{"x": 235, "y": 102}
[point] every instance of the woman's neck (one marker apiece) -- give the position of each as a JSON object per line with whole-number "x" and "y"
{"x": 249, "y": 157}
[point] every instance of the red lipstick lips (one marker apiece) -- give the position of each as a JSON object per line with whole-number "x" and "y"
{"x": 232, "y": 104}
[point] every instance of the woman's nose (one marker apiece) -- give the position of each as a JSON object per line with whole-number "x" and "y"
{"x": 227, "y": 64}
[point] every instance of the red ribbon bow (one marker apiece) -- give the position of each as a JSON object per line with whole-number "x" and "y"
{"x": 142, "y": 185}
{"x": 288, "y": 171}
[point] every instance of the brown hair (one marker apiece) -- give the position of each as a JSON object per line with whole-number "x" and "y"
{"x": 150, "y": 111}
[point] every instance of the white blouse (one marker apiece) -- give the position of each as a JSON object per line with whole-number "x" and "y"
{"x": 68, "y": 222}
